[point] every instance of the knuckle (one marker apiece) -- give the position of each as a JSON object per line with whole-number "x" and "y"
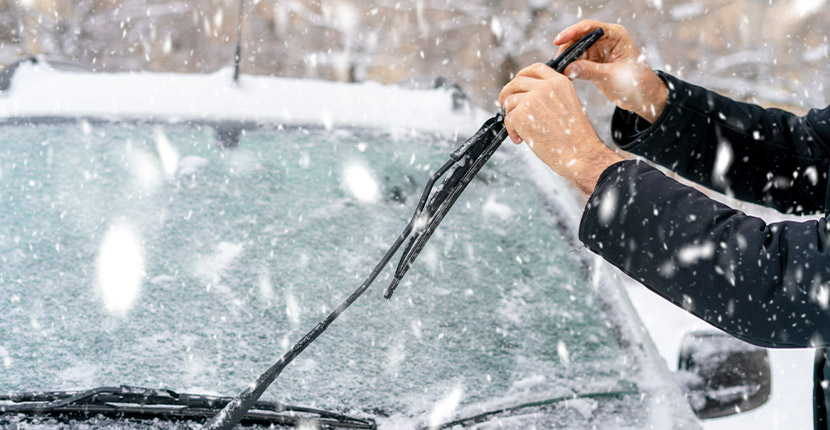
{"x": 547, "y": 87}
{"x": 510, "y": 105}
{"x": 506, "y": 93}
{"x": 536, "y": 67}
{"x": 510, "y": 122}
{"x": 525, "y": 71}
{"x": 557, "y": 80}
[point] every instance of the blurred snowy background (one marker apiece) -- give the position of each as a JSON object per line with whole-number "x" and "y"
{"x": 773, "y": 52}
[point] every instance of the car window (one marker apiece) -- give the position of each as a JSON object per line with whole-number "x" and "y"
{"x": 151, "y": 256}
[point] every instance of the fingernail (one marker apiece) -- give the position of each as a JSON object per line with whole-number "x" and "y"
{"x": 573, "y": 71}
{"x": 556, "y": 39}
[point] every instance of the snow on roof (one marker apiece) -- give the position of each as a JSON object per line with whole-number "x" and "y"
{"x": 39, "y": 90}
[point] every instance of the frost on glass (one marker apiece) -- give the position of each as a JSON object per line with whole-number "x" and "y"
{"x": 152, "y": 257}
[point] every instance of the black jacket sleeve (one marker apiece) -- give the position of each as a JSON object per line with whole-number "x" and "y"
{"x": 765, "y": 156}
{"x": 768, "y": 284}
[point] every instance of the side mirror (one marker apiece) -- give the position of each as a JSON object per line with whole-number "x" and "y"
{"x": 722, "y": 375}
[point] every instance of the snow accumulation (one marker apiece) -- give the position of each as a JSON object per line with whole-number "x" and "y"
{"x": 39, "y": 90}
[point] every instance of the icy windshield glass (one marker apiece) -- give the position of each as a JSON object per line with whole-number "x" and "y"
{"x": 150, "y": 256}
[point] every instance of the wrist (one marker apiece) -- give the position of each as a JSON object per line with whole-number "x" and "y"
{"x": 656, "y": 95}
{"x": 587, "y": 171}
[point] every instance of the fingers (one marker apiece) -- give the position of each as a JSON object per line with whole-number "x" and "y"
{"x": 572, "y": 71}
{"x": 589, "y": 71}
{"x": 614, "y": 45}
{"x": 574, "y": 32}
{"x": 533, "y": 86}
{"x": 510, "y": 98}
{"x": 509, "y": 105}
{"x": 539, "y": 71}
{"x": 519, "y": 84}
{"x": 527, "y": 79}
{"x": 567, "y": 37}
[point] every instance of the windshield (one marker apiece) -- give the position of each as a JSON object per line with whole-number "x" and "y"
{"x": 151, "y": 256}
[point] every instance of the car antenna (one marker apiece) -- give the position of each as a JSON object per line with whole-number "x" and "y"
{"x": 465, "y": 162}
{"x": 238, "y": 56}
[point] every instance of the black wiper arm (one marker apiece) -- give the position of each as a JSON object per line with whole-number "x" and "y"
{"x": 467, "y": 160}
{"x": 162, "y": 403}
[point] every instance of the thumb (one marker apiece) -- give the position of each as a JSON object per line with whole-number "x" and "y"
{"x": 587, "y": 70}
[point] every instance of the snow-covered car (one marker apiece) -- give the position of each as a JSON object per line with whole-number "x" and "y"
{"x": 180, "y": 233}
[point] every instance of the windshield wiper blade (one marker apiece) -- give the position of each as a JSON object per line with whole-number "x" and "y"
{"x": 465, "y": 162}
{"x": 140, "y": 402}
{"x": 502, "y": 412}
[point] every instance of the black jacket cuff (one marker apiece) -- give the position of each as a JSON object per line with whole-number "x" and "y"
{"x": 633, "y": 133}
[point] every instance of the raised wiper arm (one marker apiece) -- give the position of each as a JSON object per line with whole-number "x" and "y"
{"x": 127, "y": 401}
{"x": 467, "y": 160}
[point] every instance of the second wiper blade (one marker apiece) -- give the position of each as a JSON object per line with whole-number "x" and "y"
{"x": 523, "y": 407}
{"x": 140, "y": 402}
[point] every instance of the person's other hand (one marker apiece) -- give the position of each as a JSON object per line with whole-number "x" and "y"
{"x": 542, "y": 109}
{"x": 615, "y": 65}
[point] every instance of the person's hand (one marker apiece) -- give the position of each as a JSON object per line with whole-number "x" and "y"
{"x": 542, "y": 109}
{"x": 615, "y": 65}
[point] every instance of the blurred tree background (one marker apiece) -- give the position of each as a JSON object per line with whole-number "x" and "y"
{"x": 771, "y": 52}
